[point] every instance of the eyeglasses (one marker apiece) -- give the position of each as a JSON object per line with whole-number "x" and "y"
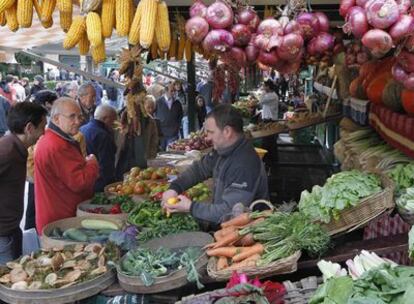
{"x": 73, "y": 117}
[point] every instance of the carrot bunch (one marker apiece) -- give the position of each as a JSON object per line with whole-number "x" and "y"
{"x": 257, "y": 239}
{"x": 233, "y": 249}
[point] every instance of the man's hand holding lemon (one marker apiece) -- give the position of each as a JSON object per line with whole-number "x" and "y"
{"x": 172, "y": 202}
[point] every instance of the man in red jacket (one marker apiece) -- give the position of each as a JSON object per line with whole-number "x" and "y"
{"x": 63, "y": 177}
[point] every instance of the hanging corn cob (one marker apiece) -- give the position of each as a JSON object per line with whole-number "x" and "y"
{"x": 163, "y": 32}
{"x": 76, "y": 30}
{"x": 25, "y": 12}
{"x": 47, "y": 9}
{"x": 11, "y": 17}
{"x": 64, "y": 6}
{"x": 133, "y": 36}
{"x": 148, "y": 20}
{"x": 48, "y": 23}
{"x": 182, "y": 39}
{"x": 131, "y": 13}
{"x": 38, "y": 9}
{"x": 188, "y": 50}
{"x": 108, "y": 17}
{"x": 98, "y": 53}
{"x": 3, "y": 20}
{"x": 84, "y": 45}
{"x": 173, "y": 46}
{"x": 154, "y": 49}
{"x": 94, "y": 28}
{"x": 5, "y": 4}
{"x": 122, "y": 17}
{"x": 65, "y": 20}
{"x": 89, "y": 5}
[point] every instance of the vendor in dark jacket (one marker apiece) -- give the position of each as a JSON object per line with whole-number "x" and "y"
{"x": 99, "y": 139}
{"x": 169, "y": 113}
{"x": 238, "y": 172}
{"x": 26, "y": 122}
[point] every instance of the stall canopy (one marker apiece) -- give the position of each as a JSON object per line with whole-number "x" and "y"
{"x": 41, "y": 40}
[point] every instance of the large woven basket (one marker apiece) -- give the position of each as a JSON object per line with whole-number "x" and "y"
{"x": 286, "y": 265}
{"x": 367, "y": 210}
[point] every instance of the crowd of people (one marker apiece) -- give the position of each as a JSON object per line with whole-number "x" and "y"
{"x": 66, "y": 145}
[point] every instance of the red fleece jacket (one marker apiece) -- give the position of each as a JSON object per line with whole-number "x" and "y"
{"x": 63, "y": 178}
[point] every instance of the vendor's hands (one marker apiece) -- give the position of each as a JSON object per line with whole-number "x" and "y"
{"x": 166, "y": 195}
{"x": 182, "y": 206}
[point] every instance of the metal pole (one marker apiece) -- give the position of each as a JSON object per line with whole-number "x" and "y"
{"x": 191, "y": 92}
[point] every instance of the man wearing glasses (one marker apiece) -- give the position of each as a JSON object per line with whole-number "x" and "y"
{"x": 63, "y": 177}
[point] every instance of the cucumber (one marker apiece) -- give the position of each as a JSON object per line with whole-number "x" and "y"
{"x": 75, "y": 234}
{"x": 98, "y": 238}
{"x": 99, "y": 224}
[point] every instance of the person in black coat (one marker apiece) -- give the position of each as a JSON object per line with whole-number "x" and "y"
{"x": 169, "y": 112}
{"x": 100, "y": 141}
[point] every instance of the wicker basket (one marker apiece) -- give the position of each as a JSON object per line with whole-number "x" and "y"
{"x": 368, "y": 209}
{"x": 135, "y": 197}
{"x": 286, "y": 265}
{"x": 300, "y": 292}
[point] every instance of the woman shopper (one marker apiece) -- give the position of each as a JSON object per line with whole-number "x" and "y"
{"x": 181, "y": 96}
{"x": 270, "y": 112}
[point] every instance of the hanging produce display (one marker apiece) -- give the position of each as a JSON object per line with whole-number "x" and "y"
{"x": 383, "y": 25}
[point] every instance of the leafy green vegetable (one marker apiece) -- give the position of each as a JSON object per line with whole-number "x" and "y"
{"x": 125, "y": 201}
{"x": 283, "y": 234}
{"x": 337, "y": 290}
{"x": 403, "y": 176}
{"x": 149, "y": 264}
{"x": 149, "y": 217}
{"x": 341, "y": 190}
{"x": 382, "y": 285}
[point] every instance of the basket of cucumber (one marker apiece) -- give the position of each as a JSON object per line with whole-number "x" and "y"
{"x": 75, "y": 230}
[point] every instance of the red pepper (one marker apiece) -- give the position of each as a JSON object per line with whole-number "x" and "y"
{"x": 115, "y": 209}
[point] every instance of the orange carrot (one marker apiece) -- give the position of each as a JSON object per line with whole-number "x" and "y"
{"x": 229, "y": 251}
{"x": 222, "y": 263}
{"x": 219, "y": 234}
{"x": 246, "y": 240}
{"x": 228, "y": 239}
{"x": 257, "y": 248}
{"x": 240, "y": 220}
{"x": 250, "y": 261}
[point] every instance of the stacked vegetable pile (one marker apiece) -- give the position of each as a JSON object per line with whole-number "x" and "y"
{"x": 279, "y": 44}
{"x": 147, "y": 182}
{"x": 153, "y": 222}
{"x": 195, "y": 141}
{"x": 114, "y": 205}
{"x": 406, "y": 201}
{"x": 58, "y": 268}
{"x": 246, "y": 108}
{"x": 342, "y": 190}
{"x": 403, "y": 176}
{"x": 148, "y": 264}
{"x": 371, "y": 279}
{"x": 258, "y": 239}
{"x": 90, "y": 230}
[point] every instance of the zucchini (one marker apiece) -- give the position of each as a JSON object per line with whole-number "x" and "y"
{"x": 75, "y": 234}
{"x": 99, "y": 224}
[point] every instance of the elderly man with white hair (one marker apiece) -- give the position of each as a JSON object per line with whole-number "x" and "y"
{"x": 63, "y": 176}
{"x": 99, "y": 137}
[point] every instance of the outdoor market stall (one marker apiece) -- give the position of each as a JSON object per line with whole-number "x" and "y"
{"x": 123, "y": 235}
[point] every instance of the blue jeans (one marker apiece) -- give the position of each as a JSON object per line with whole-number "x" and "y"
{"x": 10, "y": 246}
{"x": 185, "y": 126}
